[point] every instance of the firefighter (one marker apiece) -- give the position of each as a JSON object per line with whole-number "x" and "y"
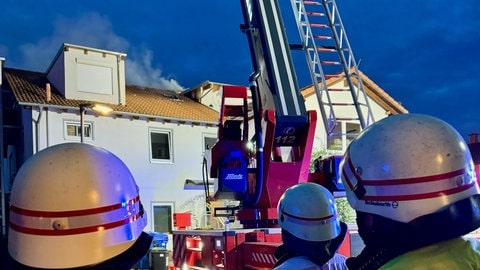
{"x": 411, "y": 180}
{"x": 76, "y": 206}
{"x": 311, "y": 229}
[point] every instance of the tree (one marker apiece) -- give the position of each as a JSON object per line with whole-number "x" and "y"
{"x": 345, "y": 211}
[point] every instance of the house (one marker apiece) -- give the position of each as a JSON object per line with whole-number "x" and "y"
{"x": 161, "y": 135}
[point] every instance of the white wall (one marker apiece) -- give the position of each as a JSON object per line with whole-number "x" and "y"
{"x": 311, "y": 103}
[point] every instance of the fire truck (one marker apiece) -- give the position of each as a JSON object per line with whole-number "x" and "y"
{"x": 265, "y": 134}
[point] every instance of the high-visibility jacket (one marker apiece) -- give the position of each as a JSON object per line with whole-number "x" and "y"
{"x": 456, "y": 254}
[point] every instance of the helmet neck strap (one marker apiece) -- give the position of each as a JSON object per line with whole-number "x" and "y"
{"x": 319, "y": 252}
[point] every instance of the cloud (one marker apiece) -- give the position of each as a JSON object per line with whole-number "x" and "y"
{"x": 96, "y": 31}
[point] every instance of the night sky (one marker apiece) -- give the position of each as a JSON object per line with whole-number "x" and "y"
{"x": 423, "y": 53}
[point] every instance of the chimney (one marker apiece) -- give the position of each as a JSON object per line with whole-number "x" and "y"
{"x": 473, "y": 138}
{"x": 48, "y": 92}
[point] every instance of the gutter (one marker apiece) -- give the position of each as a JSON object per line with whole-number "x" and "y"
{"x": 172, "y": 119}
{"x": 37, "y": 124}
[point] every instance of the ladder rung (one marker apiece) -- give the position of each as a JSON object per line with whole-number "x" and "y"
{"x": 346, "y": 118}
{"x": 337, "y": 104}
{"x": 330, "y": 62}
{"x": 323, "y": 49}
{"x": 312, "y": 13}
{"x": 311, "y": 3}
{"x": 319, "y": 25}
{"x": 341, "y": 104}
{"x": 321, "y": 37}
{"x": 333, "y": 75}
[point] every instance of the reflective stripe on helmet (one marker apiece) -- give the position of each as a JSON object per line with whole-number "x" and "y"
{"x": 74, "y": 222}
{"x": 309, "y": 218}
{"x": 357, "y": 188}
{"x": 392, "y": 188}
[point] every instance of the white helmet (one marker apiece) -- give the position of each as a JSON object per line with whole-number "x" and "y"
{"x": 406, "y": 166}
{"x": 307, "y": 211}
{"x": 73, "y": 205}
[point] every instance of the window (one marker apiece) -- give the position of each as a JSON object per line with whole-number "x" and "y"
{"x": 208, "y": 141}
{"x": 73, "y": 130}
{"x": 351, "y": 132}
{"x": 342, "y": 135}
{"x": 161, "y": 145}
{"x": 162, "y": 217}
{"x": 335, "y": 139}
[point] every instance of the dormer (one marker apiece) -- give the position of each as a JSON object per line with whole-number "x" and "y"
{"x": 90, "y": 74}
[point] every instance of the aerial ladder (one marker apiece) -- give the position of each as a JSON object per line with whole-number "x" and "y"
{"x": 283, "y": 129}
{"x": 330, "y": 56}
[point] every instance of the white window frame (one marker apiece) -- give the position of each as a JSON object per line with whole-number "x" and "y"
{"x": 169, "y": 133}
{"x": 170, "y": 204}
{"x": 77, "y": 125}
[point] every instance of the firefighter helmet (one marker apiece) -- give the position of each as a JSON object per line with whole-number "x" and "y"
{"x": 73, "y": 205}
{"x": 308, "y": 212}
{"x": 406, "y": 166}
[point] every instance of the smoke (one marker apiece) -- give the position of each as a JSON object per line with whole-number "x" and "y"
{"x": 140, "y": 71}
{"x": 95, "y": 31}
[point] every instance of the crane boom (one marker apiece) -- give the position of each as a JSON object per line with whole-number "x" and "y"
{"x": 282, "y": 123}
{"x": 271, "y": 59}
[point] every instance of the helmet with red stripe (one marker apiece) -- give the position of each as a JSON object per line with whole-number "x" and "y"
{"x": 406, "y": 166}
{"x": 73, "y": 205}
{"x": 308, "y": 212}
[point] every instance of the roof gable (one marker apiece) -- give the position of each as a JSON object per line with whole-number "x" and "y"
{"x": 372, "y": 90}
